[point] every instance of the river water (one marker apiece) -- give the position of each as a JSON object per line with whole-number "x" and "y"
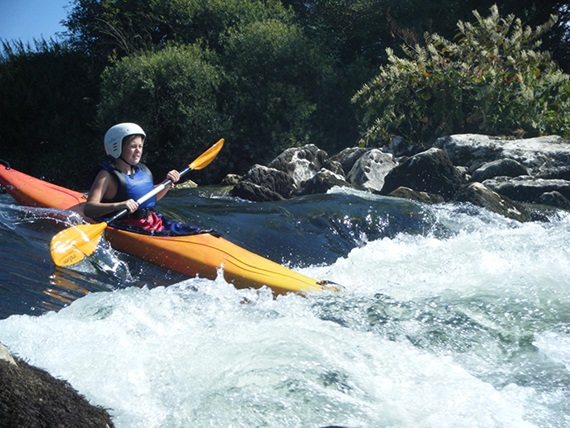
{"x": 451, "y": 317}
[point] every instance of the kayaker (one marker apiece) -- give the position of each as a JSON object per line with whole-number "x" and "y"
{"x": 123, "y": 179}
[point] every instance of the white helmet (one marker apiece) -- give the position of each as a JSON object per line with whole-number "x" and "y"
{"x": 115, "y": 135}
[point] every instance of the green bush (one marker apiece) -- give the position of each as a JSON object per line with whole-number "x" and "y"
{"x": 272, "y": 87}
{"x": 47, "y": 103}
{"x": 189, "y": 21}
{"x": 492, "y": 81}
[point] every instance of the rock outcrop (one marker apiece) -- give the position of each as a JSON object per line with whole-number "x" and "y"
{"x": 502, "y": 175}
{"x": 31, "y": 397}
{"x": 430, "y": 171}
{"x": 265, "y": 184}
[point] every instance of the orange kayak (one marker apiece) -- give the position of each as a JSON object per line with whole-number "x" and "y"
{"x": 195, "y": 255}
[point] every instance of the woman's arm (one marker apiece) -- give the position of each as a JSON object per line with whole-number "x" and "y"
{"x": 172, "y": 175}
{"x": 104, "y": 187}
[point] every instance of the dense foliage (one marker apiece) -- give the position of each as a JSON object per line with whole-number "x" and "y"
{"x": 273, "y": 89}
{"x": 491, "y": 81}
{"x": 47, "y": 102}
{"x": 270, "y": 74}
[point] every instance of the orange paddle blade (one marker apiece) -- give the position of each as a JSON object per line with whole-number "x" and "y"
{"x": 71, "y": 245}
{"x": 208, "y": 156}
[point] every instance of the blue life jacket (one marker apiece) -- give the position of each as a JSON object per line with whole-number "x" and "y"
{"x": 129, "y": 186}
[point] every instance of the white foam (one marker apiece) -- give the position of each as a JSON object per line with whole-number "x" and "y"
{"x": 177, "y": 356}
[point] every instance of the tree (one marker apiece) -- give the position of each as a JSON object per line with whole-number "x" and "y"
{"x": 102, "y": 29}
{"x": 208, "y": 21}
{"x": 47, "y": 105}
{"x": 493, "y": 80}
{"x": 142, "y": 38}
{"x": 118, "y": 28}
{"x": 275, "y": 75}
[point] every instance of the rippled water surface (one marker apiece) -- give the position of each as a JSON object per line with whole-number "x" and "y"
{"x": 451, "y": 316}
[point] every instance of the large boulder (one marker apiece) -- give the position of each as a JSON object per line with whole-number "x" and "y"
{"x": 537, "y": 154}
{"x": 499, "y": 168}
{"x": 31, "y": 397}
{"x": 531, "y": 170}
{"x": 527, "y": 189}
{"x": 264, "y": 184}
{"x": 370, "y": 170}
{"x": 554, "y": 199}
{"x": 480, "y": 195}
{"x": 301, "y": 163}
{"x": 407, "y": 193}
{"x": 296, "y": 171}
{"x": 348, "y": 157}
{"x": 430, "y": 171}
{"x": 561, "y": 172}
{"x": 322, "y": 182}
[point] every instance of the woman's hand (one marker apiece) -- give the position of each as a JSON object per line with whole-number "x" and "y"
{"x": 131, "y": 205}
{"x": 173, "y": 175}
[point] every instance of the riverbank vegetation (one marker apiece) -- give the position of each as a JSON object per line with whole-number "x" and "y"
{"x": 492, "y": 79}
{"x": 267, "y": 75}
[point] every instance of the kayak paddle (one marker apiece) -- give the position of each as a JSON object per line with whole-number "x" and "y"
{"x": 71, "y": 245}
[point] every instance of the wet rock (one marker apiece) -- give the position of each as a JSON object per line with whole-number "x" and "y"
{"x": 554, "y": 199}
{"x": 231, "y": 180}
{"x": 480, "y": 195}
{"x": 299, "y": 170}
{"x": 186, "y": 184}
{"x": 254, "y": 192}
{"x": 407, "y": 193}
{"x": 348, "y": 157}
{"x": 370, "y": 170}
{"x": 537, "y": 154}
{"x": 5, "y": 355}
{"x": 527, "y": 189}
{"x": 264, "y": 184}
{"x": 470, "y": 150}
{"x": 533, "y": 171}
{"x": 499, "y": 168}
{"x": 322, "y": 182}
{"x": 552, "y": 173}
{"x": 430, "y": 171}
{"x": 302, "y": 163}
{"x": 31, "y": 397}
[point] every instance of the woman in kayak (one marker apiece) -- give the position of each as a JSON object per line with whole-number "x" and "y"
{"x": 121, "y": 181}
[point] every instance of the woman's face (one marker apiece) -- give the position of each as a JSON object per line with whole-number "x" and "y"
{"x": 133, "y": 149}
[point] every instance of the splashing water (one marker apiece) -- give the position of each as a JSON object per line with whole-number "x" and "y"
{"x": 461, "y": 321}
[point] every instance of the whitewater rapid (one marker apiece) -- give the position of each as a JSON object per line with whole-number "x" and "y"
{"x": 465, "y": 326}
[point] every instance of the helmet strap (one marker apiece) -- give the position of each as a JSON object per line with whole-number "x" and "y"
{"x": 131, "y": 167}
{"x": 123, "y": 159}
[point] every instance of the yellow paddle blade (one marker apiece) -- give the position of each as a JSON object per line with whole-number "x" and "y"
{"x": 208, "y": 156}
{"x": 71, "y": 245}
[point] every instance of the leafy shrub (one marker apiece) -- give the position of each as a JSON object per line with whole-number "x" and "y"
{"x": 272, "y": 88}
{"x": 47, "y": 103}
{"x": 492, "y": 80}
